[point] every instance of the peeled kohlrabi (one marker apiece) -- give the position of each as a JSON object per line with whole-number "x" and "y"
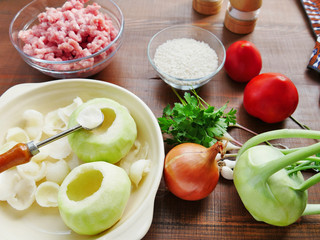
{"x": 93, "y": 196}
{"x": 269, "y": 191}
{"x": 109, "y": 142}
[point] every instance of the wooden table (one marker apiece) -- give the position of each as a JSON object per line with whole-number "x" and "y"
{"x": 285, "y": 41}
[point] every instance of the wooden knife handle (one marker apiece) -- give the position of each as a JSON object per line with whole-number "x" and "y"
{"x": 17, "y": 155}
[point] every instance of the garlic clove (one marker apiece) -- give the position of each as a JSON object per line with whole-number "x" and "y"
{"x": 226, "y": 173}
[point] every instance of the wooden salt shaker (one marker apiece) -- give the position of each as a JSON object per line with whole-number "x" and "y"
{"x": 242, "y": 15}
{"x": 207, "y": 7}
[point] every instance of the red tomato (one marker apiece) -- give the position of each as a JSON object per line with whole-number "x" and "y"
{"x": 271, "y": 97}
{"x": 243, "y": 61}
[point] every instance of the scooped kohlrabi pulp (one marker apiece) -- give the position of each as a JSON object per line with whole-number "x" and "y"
{"x": 112, "y": 140}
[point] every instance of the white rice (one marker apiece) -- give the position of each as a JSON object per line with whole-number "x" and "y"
{"x": 186, "y": 58}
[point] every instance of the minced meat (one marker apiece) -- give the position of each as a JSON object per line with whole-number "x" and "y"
{"x": 69, "y": 32}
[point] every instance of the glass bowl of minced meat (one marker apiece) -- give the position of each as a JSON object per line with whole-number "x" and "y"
{"x": 186, "y": 56}
{"x": 68, "y": 38}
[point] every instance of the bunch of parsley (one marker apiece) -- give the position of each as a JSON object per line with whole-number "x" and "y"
{"x": 194, "y": 120}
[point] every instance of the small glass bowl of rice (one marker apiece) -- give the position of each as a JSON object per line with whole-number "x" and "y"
{"x": 185, "y": 56}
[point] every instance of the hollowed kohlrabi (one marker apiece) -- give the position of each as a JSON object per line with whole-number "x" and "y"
{"x": 112, "y": 140}
{"x": 93, "y": 196}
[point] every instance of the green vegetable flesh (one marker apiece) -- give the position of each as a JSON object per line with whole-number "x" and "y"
{"x": 112, "y": 140}
{"x": 273, "y": 199}
{"x": 85, "y": 185}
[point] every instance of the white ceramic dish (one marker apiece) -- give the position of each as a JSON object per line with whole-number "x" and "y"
{"x": 38, "y": 223}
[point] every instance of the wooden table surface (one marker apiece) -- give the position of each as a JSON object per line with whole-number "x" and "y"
{"x": 285, "y": 40}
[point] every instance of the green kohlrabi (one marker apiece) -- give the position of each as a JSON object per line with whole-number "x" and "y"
{"x": 270, "y": 192}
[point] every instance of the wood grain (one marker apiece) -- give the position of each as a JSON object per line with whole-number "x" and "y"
{"x": 285, "y": 40}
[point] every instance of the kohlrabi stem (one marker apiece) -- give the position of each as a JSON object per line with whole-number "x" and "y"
{"x": 290, "y": 150}
{"x": 313, "y": 159}
{"x": 286, "y": 160}
{"x": 277, "y": 164}
{"x": 276, "y": 134}
{"x": 305, "y": 165}
{"x": 311, "y": 209}
{"x": 300, "y": 168}
{"x": 309, "y": 182}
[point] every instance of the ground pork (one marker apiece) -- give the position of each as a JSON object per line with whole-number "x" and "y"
{"x": 69, "y": 32}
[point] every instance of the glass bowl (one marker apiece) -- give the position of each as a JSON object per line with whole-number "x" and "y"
{"x": 189, "y": 32}
{"x": 80, "y": 67}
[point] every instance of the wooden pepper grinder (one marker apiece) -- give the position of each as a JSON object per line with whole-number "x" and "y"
{"x": 207, "y": 7}
{"x": 241, "y": 15}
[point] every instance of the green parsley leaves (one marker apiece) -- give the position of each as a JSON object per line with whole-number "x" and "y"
{"x": 194, "y": 120}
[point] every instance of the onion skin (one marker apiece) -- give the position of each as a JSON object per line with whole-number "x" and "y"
{"x": 191, "y": 170}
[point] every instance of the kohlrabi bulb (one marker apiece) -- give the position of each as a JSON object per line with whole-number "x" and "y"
{"x": 93, "y": 196}
{"x": 112, "y": 140}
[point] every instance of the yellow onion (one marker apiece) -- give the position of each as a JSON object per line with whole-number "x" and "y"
{"x": 191, "y": 170}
